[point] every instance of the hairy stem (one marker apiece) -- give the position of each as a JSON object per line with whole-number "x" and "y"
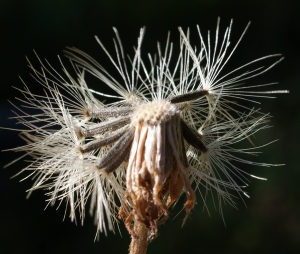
{"x": 139, "y": 242}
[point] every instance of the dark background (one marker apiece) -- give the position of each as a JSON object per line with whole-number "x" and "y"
{"x": 269, "y": 224}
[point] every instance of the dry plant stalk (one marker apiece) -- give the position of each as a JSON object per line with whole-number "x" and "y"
{"x": 171, "y": 129}
{"x": 139, "y": 244}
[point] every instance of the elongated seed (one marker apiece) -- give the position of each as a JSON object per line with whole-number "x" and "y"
{"x": 95, "y": 144}
{"x": 192, "y": 137}
{"x": 109, "y": 125}
{"x": 120, "y": 157}
{"x": 183, "y": 154}
{"x": 123, "y": 143}
{"x": 189, "y": 96}
{"x": 110, "y": 112}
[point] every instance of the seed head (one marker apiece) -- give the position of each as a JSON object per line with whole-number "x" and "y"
{"x": 171, "y": 129}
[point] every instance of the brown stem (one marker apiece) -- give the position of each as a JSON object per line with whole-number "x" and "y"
{"x": 139, "y": 242}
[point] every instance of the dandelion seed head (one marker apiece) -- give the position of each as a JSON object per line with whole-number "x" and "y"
{"x": 168, "y": 130}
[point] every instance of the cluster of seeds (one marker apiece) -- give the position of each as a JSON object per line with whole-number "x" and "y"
{"x": 169, "y": 131}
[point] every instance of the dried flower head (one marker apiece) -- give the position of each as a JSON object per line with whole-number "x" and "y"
{"x": 170, "y": 130}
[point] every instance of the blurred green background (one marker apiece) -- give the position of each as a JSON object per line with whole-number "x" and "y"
{"x": 271, "y": 221}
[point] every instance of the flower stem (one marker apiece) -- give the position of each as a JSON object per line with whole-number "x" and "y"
{"x": 139, "y": 243}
